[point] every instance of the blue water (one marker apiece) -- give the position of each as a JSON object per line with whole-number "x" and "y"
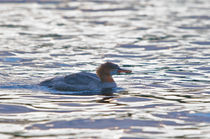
{"x": 165, "y": 43}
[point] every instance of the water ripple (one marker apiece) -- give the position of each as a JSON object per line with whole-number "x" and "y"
{"x": 166, "y": 47}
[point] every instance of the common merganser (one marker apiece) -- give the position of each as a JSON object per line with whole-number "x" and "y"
{"x": 84, "y": 81}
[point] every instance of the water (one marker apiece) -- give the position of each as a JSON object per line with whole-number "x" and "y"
{"x": 165, "y": 43}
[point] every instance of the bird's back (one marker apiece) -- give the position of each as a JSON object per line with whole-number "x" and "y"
{"x": 74, "y": 82}
{"x": 82, "y": 78}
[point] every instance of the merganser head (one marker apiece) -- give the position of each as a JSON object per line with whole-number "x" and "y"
{"x": 109, "y": 69}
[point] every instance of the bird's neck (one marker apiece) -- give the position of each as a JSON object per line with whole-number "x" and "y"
{"x": 107, "y": 78}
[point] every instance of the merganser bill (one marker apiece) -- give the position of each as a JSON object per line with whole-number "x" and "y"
{"x": 84, "y": 81}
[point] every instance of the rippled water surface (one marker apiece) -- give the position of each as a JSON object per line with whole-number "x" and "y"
{"x": 165, "y": 43}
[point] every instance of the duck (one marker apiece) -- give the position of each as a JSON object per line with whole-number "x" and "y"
{"x": 85, "y": 81}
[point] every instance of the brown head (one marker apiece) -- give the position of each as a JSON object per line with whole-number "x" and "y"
{"x": 106, "y": 70}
